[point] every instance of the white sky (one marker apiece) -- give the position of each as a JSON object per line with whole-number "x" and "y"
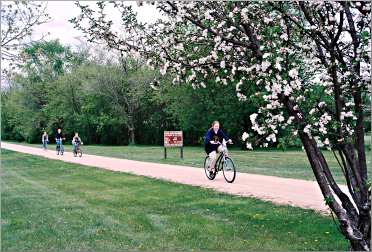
{"x": 60, "y": 28}
{"x": 61, "y": 11}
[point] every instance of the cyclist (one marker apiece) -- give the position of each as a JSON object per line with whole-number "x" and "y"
{"x": 45, "y": 140}
{"x": 59, "y": 138}
{"x": 213, "y": 140}
{"x": 76, "y": 142}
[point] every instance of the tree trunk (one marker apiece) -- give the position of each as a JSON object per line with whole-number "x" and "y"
{"x": 131, "y": 134}
{"x": 131, "y": 130}
{"x": 353, "y": 225}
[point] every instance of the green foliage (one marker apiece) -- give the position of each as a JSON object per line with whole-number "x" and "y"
{"x": 108, "y": 103}
{"x": 59, "y": 89}
{"x": 195, "y": 109}
{"x": 27, "y": 98}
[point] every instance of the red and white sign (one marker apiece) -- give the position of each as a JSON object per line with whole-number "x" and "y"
{"x": 173, "y": 139}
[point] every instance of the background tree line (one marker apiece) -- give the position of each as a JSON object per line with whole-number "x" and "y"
{"x": 115, "y": 101}
{"x": 111, "y": 101}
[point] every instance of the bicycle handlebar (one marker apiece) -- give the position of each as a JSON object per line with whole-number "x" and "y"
{"x": 227, "y": 142}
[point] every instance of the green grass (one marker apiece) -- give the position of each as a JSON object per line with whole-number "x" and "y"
{"x": 52, "y": 205}
{"x": 289, "y": 164}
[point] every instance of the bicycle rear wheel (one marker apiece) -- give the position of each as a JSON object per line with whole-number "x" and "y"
{"x": 208, "y": 172}
{"x": 229, "y": 171}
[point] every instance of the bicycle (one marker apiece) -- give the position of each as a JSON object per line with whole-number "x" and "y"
{"x": 223, "y": 163}
{"x": 59, "y": 147}
{"x": 77, "y": 150}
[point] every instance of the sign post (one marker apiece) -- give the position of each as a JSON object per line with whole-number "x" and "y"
{"x": 173, "y": 139}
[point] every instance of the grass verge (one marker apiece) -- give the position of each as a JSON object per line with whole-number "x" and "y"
{"x": 52, "y": 205}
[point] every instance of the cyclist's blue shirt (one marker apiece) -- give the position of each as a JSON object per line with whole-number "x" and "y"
{"x": 212, "y": 136}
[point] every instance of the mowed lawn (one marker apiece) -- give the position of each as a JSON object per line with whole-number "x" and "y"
{"x": 290, "y": 164}
{"x": 53, "y": 205}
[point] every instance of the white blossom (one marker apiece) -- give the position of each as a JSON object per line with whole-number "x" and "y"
{"x": 265, "y": 65}
{"x": 253, "y": 117}
{"x": 163, "y": 69}
{"x": 287, "y": 90}
{"x": 284, "y": 36}
{"x": 267, "y": 20}
{"x": 223, "y": 64}
{"x": 237, "y": 88}
{"x": 245, "y": 136}
{"x": 205, "y": 33}
{"x": 346, "y": 114}
{"x": 207, "y": 15}
{"x": 307, "y": 129}
{"x": 312, "y": 111}
{"x": 321, "y": 104}
{"x": 278, "y": 65}
{"x": 271, "y": 137}
{"x": 241, "y": 96}
{"x": 243, "y": 13}
{"x": 214, "y": 55}
{"x": 290, "y": 119}
{"x": 293, "y": 73}
{"x": 326, "y": 141}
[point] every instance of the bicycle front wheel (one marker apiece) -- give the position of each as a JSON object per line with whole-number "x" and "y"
{"x": 229, "y": 171}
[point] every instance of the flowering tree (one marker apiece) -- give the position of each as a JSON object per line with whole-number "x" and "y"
{"x": 309, "y": 61}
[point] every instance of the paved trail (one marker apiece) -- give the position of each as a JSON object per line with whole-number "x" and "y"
{"x": 294, "y": 192}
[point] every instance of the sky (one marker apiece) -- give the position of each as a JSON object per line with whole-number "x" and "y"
{"x": 60, "y": 28}
{"x": 61, "y": 11}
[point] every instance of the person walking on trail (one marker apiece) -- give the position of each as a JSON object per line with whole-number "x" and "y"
{"x": 59, "y": 138}
{"x": 213, "y": 141}
{"x": 45, "y": 140}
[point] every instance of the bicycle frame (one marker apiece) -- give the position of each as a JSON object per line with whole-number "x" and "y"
{"x": 222, "y": 156}
{"x": 77, "y": 145}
